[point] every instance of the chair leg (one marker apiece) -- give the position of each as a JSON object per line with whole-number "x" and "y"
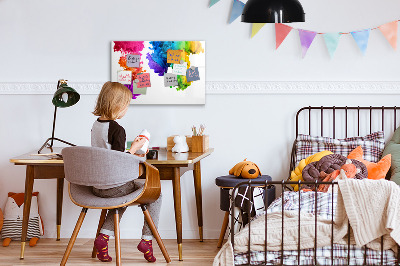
{"x": 117, "y": 239}
{"x": 101, "y": 222}
{"x": 154, "y": 230}
{"x": 223, "y": 229}
{"x": 73, "y": 237}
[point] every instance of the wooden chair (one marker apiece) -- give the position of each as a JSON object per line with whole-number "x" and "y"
{"x": 85, "y": 167}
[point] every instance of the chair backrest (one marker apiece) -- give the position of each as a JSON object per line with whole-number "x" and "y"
{"x": 91, "y": 166}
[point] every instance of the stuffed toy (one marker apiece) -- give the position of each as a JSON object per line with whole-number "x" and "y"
{"x": 245, "y": 169}
{"x": 296, "y": 174}
{"x": 13, "y": 215}
{"x": 180, "y": 144}
{"x": 375, "y": 170}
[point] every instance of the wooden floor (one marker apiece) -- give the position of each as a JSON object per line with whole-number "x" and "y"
{"x": 50, "y": 252}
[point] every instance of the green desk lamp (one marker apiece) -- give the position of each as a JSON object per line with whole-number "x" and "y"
{"x": 65, "y": 96}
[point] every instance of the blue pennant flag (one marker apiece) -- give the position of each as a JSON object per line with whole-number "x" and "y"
{"x": 361, "y": 37}
{"x": 213, "y": 2}
{"x": 237, "y": 9}
{"x": 332, "y": 41}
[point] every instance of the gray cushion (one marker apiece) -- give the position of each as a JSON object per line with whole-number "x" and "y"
{"x": 393, "y": 148}
{"x": 83, "y": 195}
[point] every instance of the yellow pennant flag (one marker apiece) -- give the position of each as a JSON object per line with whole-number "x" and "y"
{"x": 255, "y": 28}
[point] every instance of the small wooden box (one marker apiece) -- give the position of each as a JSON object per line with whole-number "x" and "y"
{"x": 200, "y": 143}
{"x": 171, "y": 143}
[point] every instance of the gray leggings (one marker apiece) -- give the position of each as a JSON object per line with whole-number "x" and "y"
{"x": 154, "y": 208}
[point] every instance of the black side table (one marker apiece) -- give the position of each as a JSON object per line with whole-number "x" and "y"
{"x": 226, "y": 183}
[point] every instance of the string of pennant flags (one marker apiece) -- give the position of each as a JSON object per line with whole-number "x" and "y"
{"x": 361, "y": 37}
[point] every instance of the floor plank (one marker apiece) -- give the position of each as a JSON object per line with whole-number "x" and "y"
{"x": 49, "y": 252}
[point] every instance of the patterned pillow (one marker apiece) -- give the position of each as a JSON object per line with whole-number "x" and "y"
{"x": 372, "y": 144}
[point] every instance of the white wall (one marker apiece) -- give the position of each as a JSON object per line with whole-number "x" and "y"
{"x": 43, "y": 41}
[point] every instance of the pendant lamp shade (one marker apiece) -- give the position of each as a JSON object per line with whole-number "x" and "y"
{"x": 273, "y": 11}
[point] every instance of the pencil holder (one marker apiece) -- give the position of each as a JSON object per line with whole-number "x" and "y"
{"x": 200, "y": 143}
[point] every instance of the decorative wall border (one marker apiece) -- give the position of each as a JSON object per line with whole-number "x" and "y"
{"x": 232, "y": 87}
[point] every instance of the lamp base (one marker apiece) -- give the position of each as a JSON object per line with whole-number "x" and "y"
{"x": 50, "y": 146}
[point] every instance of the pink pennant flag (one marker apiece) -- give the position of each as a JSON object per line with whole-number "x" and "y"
{"x": 306, "y": 39}
{"x": 389, "y": 30}
{"x": 281, "y": 31}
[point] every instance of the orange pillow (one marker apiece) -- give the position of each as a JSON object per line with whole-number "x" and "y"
{"x": 375, "y": 170}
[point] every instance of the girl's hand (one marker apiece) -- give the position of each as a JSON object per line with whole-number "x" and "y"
{"x": 137, "y": 144}
{"x": 142, "y": 155}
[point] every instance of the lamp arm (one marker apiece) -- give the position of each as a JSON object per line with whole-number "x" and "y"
{"x": 54, "y": 126}
{"x": 54, "y": 118}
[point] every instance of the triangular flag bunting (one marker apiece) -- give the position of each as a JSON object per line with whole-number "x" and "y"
{"x": 237, "y": 9}
{"x": 389, "y": 30}
{"x": 361, "y": 37}
{"x": 255, "y": 28}
{"x": 281, "y": 31}
{"x": 213, "y": 2}
{"x": 306, "y": 39}
{"x": 332, "y": 41}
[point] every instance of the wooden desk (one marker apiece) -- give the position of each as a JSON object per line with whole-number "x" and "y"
{"x": 40, "y": 167}
{"x": 171, "y": 167}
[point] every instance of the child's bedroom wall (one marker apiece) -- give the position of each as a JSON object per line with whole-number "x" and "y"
{"x": 43, "y": 41}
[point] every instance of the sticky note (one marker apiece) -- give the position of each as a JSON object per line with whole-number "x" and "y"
{"x": 170, "y": 80}
{"x": 174, "y": 56}
{"x": 133, "y": 60}
{"x": 124, "y": 77}
{"x": 136, "y": 90}
{"x": 192, "y": 74}
{"x": 179, "y": 69}
{"x": 144, "y": 80}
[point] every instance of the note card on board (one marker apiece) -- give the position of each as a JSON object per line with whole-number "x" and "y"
{"x": 170, "y": 80}
{"x": 124, "y": 77}
{"x": 179, "y": 69}
{"x": 174, "y": 56}
{"x": 133, "y": 60}
{"x": 192, "y": 74}
{"x": 144, "y": 80}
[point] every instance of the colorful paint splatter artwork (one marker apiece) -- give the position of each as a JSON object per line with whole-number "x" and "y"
{"x": 158, "y": 58}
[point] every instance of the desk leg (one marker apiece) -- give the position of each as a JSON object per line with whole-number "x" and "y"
{"x": 176, "y": 182}
{"x": 199, "y": 204}
{"x": 60, "y": 190}
{"x": 27, "y": 206}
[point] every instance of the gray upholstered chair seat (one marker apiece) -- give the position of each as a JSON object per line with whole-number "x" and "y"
{"x": 83, "y": 195}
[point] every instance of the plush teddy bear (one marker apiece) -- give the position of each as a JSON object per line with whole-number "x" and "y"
{"x": 245, "y": 169}
{"x": 180, "y": 144}
{"x": 13, "y": 215}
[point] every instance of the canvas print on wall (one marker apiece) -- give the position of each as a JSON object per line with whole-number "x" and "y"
{"x": 160, "y": 72}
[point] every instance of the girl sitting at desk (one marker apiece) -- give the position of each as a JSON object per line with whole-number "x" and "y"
{"x": 112, "y": 104}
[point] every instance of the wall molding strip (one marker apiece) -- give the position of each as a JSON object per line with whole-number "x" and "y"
{"x": 231, "y": 87}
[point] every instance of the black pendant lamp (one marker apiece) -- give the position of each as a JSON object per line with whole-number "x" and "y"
{"x": 273, "y": 11}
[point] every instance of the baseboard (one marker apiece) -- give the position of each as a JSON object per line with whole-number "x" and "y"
{"x": 231, "y": 87}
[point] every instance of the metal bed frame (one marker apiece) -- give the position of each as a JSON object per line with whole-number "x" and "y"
{"x": 283, "y": 184}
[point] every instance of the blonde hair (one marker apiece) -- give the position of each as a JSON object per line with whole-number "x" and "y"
{"x": 112, "y": 99}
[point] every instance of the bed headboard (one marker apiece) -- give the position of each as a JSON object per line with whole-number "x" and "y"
{"x": 344, "y": 121}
